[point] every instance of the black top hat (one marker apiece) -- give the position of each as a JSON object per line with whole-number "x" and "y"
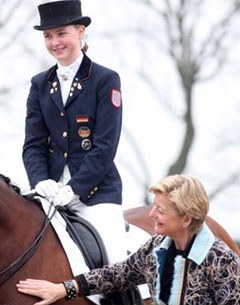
{"x": 59, "y": 13}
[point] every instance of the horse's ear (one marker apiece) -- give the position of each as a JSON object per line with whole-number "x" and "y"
{"x": 5, "y": 179}
{"x": 8, "y": 182}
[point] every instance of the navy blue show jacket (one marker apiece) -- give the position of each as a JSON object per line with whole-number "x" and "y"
{"x": 84, "y": 134}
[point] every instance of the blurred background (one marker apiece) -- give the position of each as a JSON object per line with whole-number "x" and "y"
{"x": 180, "y": 68}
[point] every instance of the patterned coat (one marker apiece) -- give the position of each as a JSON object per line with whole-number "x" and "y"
{"x": 84, "y": 134}
{"x": 210, "y": 275}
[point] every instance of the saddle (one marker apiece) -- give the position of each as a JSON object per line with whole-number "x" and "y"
{"x": 86, "y": 237}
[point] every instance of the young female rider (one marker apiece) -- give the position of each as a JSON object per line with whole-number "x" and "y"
{"x": 73, "y": 125}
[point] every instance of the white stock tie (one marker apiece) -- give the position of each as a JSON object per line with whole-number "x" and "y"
{"x": 65, "y": 77}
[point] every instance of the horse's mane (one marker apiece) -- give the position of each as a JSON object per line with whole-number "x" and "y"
{"x": 17, "y": 189}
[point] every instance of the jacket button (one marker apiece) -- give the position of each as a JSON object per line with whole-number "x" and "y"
{"x": 62, "y": 114}
{"x": 65, "y": 155}
{"x": 95, "y": 189}
{"x": 64, "y": 134}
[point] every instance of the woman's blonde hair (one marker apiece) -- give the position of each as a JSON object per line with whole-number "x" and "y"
{"x": 187, "y": 195}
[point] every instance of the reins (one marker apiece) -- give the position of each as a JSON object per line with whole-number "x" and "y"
{"x": 9, "y": 271}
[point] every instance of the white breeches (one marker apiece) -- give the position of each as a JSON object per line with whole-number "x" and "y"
{"x": 108, "y": 220}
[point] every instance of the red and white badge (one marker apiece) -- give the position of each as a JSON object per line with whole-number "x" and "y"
{"x": 116, "y": 98}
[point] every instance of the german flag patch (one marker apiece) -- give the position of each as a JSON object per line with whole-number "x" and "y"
{"x": 82, "y": 118}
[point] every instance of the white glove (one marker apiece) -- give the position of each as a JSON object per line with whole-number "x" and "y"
{"x": 64, "y": 196}
{"x": 47, "y": 188}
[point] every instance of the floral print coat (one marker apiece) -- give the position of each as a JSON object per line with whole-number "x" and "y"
{"x": 210, "y": 275}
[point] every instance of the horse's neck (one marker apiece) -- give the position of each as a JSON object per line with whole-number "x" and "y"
{"x": 16, "y": 210}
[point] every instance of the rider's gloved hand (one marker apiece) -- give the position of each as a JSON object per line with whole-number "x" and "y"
{"x": 64, "y": 196}
{"x": 47, "y": 188}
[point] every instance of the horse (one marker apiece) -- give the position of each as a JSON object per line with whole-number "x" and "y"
{"x": 21, "y": 220}
{"x": 23, "y": 226}
{"x": 30, "y": 248}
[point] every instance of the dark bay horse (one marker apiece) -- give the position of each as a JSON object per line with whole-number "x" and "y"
{"x": 21, "y": 220}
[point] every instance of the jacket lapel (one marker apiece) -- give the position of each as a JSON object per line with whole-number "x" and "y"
{"x": 202, "y": 244}
{"x": 83, "y": 73}
{"x": 161, "y": 260}
{"x": 178, "y": 280}
{"x": 54, "y": 88}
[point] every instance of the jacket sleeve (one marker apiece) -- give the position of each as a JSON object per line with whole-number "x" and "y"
{"x": 225, "y": 279}
{"x": 134, "y": 271}
{"x": 106, "y": 134}
{"x": 35, "y": 148}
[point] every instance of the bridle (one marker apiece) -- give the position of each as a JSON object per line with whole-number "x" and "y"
{"x": 10, "y": 270}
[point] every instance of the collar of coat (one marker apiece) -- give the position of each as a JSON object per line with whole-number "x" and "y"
{"x": 199, "y": 250}
{"x": 83, "y": 72}
{"x": 202, "y": 244}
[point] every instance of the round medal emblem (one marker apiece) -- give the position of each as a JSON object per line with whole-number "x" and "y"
{"x": 86, "y": 144}
{"x": 84, "y": 132}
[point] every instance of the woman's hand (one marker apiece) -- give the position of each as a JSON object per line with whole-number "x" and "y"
{"x": 47, "y": 291}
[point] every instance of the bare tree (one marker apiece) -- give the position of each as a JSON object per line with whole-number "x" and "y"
{"x": 198, "y": 40}
{"x": 196, "y": 58}
{"x": 197, "y": 37}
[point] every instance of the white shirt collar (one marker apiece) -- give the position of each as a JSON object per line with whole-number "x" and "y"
{"x": 71, "y": 69}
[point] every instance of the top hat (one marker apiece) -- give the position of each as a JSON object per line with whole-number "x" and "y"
{"x": 60, "y": 13}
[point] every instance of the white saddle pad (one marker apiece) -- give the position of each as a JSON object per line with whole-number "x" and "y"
{"x": 74, "y": 255}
